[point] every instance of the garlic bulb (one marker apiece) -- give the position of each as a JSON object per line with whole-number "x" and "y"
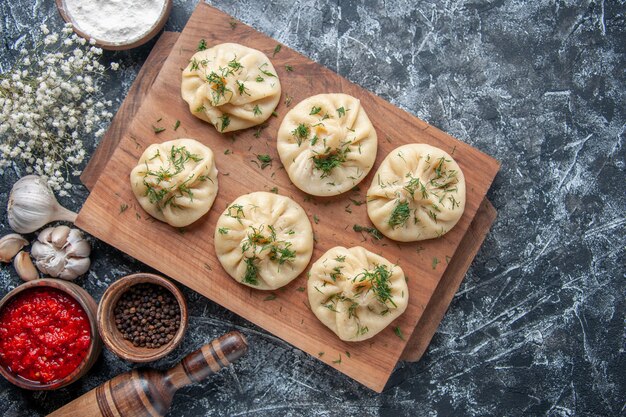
{"x": 32, "y": 205}
{"x": 24, "y": 267}
{"x": 61, "y": 252}
{"x": 10, "y": 245}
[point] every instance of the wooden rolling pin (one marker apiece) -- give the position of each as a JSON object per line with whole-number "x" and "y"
{"x": 149, "y": 393}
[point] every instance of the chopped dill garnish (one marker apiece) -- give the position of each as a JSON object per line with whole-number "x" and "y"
{"x": 435, "y": 262}
{"x": 378, "y": 279}
{"x": 274, "y": 190}
{"x": 270, "y": 297}
{"x": 123, "y": 208}
{"x": 241, "y": 87}
{"x": 158, "y": 130}
{"x": 176, "y": 125}
{"x": 218, "y": 86}
{"x": 202, "y": 45}
{"x": 252, "y": 270}
{"x": 357, "y": 203}
{"x": 236, "y": 212}
{"x": 341, "y": 111}
{"x": 315, "y": 110}
{"x": 338, "y": 361}
{"x": 223, "y": 230}
{"x": 400, "y": 214}
{"x": 301, "y": 132}
{"x": 225, "y": 121}
{"x": 282, "y": 254}
{"x": 279, "y": 250}
{"x": 256, "y": 110}
{"x": 227, "y": 152}
{"x": 259, "y": 129}
{"x": 234, "y": 65}
{"x": 330, "y": 159}
{"x": 300, "y": 289}
{"x": 336, "y": 273}
{"x": 265, "y": 160}
{"x": 398, "y": 332}
{"x": 316, "y": 219}
{"x": 288, "y": 68}
{"x": 277, "y": 49}
{"x": 161, "y": 195}
{"x": 375, "y": 233}
{"x": 264, "y": 71}
{"x": 288, "y": 100}
{"x": 413, "y": 185}
{"x": 259, "y": 79}
{"x": 232, "y": 23}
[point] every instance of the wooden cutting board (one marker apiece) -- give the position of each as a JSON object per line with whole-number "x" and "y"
{"x": 452, "y": 277}
{"x": 188, "y": 255}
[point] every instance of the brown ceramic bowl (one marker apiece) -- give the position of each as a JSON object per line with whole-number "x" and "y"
{"x": 88, "y": 304}
{"x": 113, "y": 46}
{"x": 113, "y": 338}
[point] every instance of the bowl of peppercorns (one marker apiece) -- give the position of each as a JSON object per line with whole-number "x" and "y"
{"x": 142, "y": 317}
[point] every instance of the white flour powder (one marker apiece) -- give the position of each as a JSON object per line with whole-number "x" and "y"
{"x": 115, "y": 21}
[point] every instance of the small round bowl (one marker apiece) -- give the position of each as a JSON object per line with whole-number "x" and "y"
{"x": 114, "y": 46}
{"x": 88, "y": 304}
{"x": 113, "y": 338}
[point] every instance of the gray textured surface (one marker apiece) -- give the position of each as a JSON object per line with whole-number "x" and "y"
{"x": 538, "y": 327}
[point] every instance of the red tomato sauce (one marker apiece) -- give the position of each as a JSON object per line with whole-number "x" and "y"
{"x": 44, "y": 335}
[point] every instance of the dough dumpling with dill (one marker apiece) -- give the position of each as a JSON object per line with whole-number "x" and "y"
{"x": 175, "y": 181}
{"x": 356, "y": 293}
{"x": 327, "y": 144}
{"x": 417, "y": 193}
{"x": 264, "y": 240}
{"x": 231, "y": 86}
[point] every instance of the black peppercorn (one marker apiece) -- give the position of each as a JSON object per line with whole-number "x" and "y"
{"x": 147, "y": 315}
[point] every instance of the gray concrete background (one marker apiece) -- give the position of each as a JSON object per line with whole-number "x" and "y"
{"x": 538, "y": 326}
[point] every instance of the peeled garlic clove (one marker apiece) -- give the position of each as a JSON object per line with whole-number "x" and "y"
{"x": 24, "y": 267}
{"x": 74, "y": 268}
{"x": 59, "y": 235}
{"x": 10, "y": 245}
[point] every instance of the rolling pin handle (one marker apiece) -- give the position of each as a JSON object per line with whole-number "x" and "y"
{"x": 209, "y": 359}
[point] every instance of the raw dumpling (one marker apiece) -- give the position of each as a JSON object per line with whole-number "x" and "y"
{"x": 175, "y": 181}
{"x": 231, "y": 86}
{"x": 264, "y": 240}
{"x": 356, "y": 293}
{"x": 418, "y": 193}
{"x": 327, "y": 144}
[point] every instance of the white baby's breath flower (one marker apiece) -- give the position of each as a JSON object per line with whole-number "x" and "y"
{"x": 47, "y": 107}
{"x": 115, "y": 66}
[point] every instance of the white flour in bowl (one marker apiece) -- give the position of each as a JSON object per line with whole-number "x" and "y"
{"x": 115, "y": 21}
